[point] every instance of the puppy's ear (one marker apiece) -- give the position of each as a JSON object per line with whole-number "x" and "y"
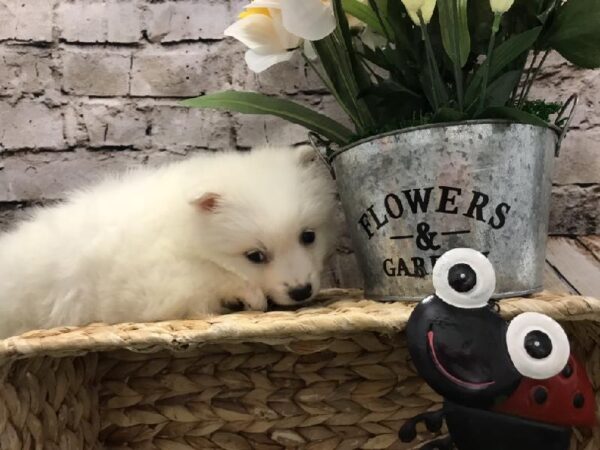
{"x": 306, "y": 154}
{"x": 207, "y": 203}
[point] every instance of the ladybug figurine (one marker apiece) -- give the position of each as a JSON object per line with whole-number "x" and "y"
{"x": 506, "y": 386}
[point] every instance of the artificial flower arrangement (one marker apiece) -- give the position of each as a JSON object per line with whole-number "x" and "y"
{"x": 392, "y": 64}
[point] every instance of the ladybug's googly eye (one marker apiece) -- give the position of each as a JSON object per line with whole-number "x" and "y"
{"x": 464, "y": 278}
{"x": 537, "y": 345}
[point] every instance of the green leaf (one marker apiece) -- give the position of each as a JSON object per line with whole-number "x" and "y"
{"x": 575, "y": 32}
{"x": 401, "y": 26}
{"x": 254, "y": 103}
{"x": 337, "y": 65}
{"x": 364, "y": 13}
{"x": 498, "y": 92}
{"x": 480, "y": 25}
{"x": 388, "y": 88}
{"x": 445, "y": 114}
{"x": 354, "y": 72}
{"x": 547, "y": 11}
{"x": 336, "y": 69}
{"x": 503, "y": 55}
{"x": 454, "y": 27}
{"x": 543, "y": 109}
{"x": 377, "y": 57}
{"x": 514, "y": 114}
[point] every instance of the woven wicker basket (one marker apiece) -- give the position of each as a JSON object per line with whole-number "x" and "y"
{"x": 332, "y": 376}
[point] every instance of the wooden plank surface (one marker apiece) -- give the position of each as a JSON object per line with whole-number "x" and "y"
{"x": 575, "y": 263}
{"x": 555, "y": 283}
{"x": 592, "y": 244}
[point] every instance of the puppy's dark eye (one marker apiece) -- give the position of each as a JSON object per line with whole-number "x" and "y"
{"x": 307, "y": 237}
{"x": 256, "y": 257}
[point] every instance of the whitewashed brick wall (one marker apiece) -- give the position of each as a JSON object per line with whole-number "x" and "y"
{"x": 91, "y": 86}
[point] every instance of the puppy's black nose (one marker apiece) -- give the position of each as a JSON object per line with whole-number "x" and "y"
{"x": 300, "y": 293}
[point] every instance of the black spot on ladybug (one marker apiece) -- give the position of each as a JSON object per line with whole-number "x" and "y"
{"x": 540, "y": 395}
{"x": 538, "y": 344}
{"x": 462, "y": 278}
{"x": 567, "y": 371}
{"x": 578, "y": 400}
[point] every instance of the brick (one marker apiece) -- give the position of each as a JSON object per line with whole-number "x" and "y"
{"x": 187, "y": 20}
{"x": 182, "y": 129}
{"x": 287, "y": 77}
{"x": 96, "y": 72}
{"x": 34, "y": 176}
{"x": 114, "y": 124}
{"x": 29, "y": 20}
{"x": 25, "y": 70}
{"x": 579, "y": 160}
{"x": 180, "y": 72}
{"x": 41, "y": 175}
{"x": 236, "y": 7}
{"x": 75, "y": 131}
{"x": 30, "y": 125}
{"x": 109, "y": 21}
{"x": 575, "y": 210}
{"x": 253, "y": 131}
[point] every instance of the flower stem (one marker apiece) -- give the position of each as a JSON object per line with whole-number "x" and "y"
{"x": 331, "y": 88}
{"x": 457, "y": 68}
{"x": 347, "y": 75}
{"x": 488, "y": 60}
{"x": 434, "y": 73}
{"x": 530, "y": 81}
{"x": 375, "y": 8}
{"x": 528, "y": 73}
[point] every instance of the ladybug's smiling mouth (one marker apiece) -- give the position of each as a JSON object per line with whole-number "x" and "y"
{"x": 453, "y": 378}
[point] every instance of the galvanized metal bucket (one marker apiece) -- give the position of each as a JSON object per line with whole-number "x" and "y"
{"x": 411, "y": 195}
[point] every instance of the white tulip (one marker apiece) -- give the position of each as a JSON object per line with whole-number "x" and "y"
{"x": 309, "y": 19}
{"x": 425, "y": 7}
{"x": 273, "y": 29}
{"x": 261, "y": 30}
{"x": 501, "y": 6}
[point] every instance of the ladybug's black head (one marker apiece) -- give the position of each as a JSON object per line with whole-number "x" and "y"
{"x": 463, "y": 348}
{"x": 461, "y": 353}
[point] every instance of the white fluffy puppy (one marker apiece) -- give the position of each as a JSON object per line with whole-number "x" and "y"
{"x": 174, "y": 242}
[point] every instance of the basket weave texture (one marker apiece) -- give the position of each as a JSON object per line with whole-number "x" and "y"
{"x": 336, "y": 375}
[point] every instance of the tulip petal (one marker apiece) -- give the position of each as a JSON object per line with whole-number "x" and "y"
{"x": 258, "y": 62}
{"x": 427, "y": 10}
{"x": 501, "y": 6}
{"x": 414, "y": 17}
{"x": 254, "y": 31}
{"x": 285, "y": 39}
{"x": 309, "y": 19}
{"x": 276, "y": 4}
{"x": 413, "y": 5}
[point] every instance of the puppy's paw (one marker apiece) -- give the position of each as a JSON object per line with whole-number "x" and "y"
{"x": 232, "y": 305}
{"x": 254, "y": 299}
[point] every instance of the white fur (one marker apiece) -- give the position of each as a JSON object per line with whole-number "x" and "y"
{"x": 139, "y": 247}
